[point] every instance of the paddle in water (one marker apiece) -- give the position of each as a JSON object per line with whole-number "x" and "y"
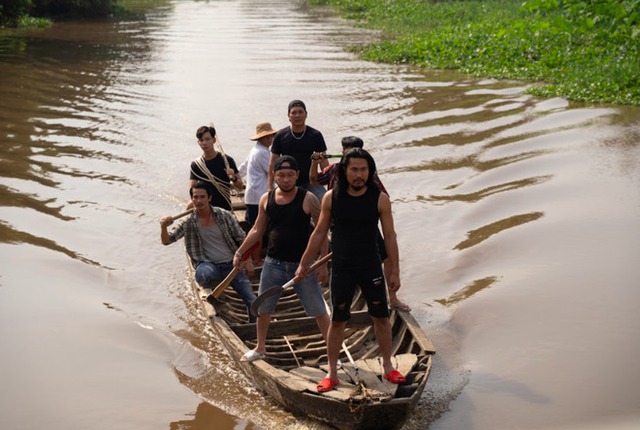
{"x": 276, "y": 289}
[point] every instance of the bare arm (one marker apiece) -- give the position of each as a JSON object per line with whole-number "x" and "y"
{"x": 318, "y": 238}
{"x": 272, "y": 163}
{"x": 164, "y": 233}
{"x": 311, "y": 205}
{"x": 256, "y": 232}
{"x": 390, "y": 241}
{"x": 235, "y": 179}
{"x": 323, "y": 161}
{"x": 313, "y": 170}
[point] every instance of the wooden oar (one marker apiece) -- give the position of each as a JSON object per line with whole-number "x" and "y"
{"x": 224, "y": 156}
{"x": 355, "y": 380}
{"x": 275, "y": 290}
{"x": 181, "y": 214}
{"x": 217, "y": 291}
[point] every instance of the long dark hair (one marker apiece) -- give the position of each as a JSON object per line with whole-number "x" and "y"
{"x": 342, "y": 184}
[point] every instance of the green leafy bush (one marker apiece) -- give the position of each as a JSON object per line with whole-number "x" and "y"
{"x": 586, "y": 50}
{"x": 76, "y": 8}
{"x": 11, "y": 11}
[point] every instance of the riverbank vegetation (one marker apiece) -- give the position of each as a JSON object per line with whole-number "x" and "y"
{"x": 38, "y": 13}
{"x": 583, "y": 50}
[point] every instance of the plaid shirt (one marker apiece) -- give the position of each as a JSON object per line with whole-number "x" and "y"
{"x": 188, "y": 228}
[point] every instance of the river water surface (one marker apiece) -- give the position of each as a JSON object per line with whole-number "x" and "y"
{"x": 518, "y": 222}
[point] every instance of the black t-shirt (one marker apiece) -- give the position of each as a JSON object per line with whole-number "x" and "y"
{"x": 299, "y": 147}
{"x": 220, "y": 192}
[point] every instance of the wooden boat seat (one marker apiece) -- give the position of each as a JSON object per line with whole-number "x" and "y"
{"x": 298, "y": 326}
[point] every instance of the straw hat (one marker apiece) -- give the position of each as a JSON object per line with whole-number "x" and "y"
{"x": 263, "y": 129}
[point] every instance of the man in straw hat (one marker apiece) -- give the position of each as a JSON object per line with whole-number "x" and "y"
{"x": 256, "y": 168}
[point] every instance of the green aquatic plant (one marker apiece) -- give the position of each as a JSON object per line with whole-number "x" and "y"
{"x": 582, "y": 50}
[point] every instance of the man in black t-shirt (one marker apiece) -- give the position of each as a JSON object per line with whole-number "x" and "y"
{"x": 211, "y": 168}
{"x": 300, "y": 141}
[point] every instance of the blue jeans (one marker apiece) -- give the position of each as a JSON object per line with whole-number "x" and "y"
{"x": 208, "y": 275}
{"x": 277, "y": 273}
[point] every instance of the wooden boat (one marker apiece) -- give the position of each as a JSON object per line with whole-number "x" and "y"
{"x": 296, "y": 361}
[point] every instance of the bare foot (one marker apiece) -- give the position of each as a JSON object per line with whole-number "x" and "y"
{"x": 395, "y": 303}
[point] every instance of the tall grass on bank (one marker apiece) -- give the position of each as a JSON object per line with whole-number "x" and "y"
{"x": 584, "y": 50}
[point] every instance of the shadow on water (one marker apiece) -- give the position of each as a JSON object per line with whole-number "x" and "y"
{"x": 10, "y": 235}
{"x": 483, "y": 233}
{"x": 208, "y": 417}
{"x": 468, "y": 291}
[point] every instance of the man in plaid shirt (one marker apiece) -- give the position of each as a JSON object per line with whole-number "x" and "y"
{"x": 212, "y": 236}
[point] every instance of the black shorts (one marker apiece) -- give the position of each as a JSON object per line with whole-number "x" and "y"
{"x": 371, "y": 282}
{"x": 381, "y": 248}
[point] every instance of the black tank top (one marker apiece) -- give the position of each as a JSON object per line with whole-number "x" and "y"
{"x": 288, "y": 227}
{"x": 355, "y": 228}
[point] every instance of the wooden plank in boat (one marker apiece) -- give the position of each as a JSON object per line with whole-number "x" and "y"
{"x": 368, "y": 377}
{"x": 403, "y": 363}
{"x": 293, "y": 327}
{"x": 314, "y": 376}
{"x": 345, "y": 373}
{"x": 418, "y": 334}
{"x": 348, "y": 373}
{"x": 309, "y": 373}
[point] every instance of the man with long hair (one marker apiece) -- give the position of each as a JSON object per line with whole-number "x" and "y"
{"x": 328, "y": 176}
{"x": 352, "y": 210}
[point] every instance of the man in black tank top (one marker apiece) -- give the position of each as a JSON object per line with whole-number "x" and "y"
{"x": 352, "y": 208}
{"x": 285, "y": 215}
